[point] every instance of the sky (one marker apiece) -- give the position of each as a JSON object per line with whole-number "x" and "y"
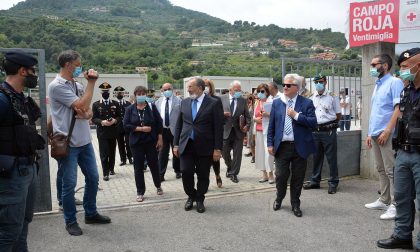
{"x": 318, "y": 14}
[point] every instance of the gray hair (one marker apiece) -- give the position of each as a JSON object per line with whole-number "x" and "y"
{"x": 302, "y": 81}
{"x": 294, "y": 78}
{"x": 68, "y": 56}
{"x": 235, "y": 82}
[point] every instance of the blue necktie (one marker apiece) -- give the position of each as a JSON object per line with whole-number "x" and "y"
{"x": 288, "y": 120}
{"x": 194, "y": 114}
{"x": 167, "y": 112}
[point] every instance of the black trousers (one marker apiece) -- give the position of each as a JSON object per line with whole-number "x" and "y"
{"x": 192, "y": 163}
{"x": 285, "y": 156}
{"x": 236, "y": 143}
{"x": 107, "y": 148}
{"x": 168, "y": 139}
{"x": 142, "y": 151}
{"x": 124, "y": 146}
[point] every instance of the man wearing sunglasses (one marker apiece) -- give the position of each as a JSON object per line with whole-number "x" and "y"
{"x": 290, "y": 140}
{"x": 328, "y": 114}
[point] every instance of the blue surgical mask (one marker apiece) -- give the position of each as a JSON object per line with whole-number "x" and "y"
{"x": 237, "y": 94}
{"x": 261, "y": 96}
{"x": 407, "y": 75}
{"x": 149, "y": 99}
{"x": 77, "y": 71}
{"x": 141, "y": 98}
{"x": 319, "y": 86}
{"x": 374, "y": 72}
{"x": 167, "y": 93}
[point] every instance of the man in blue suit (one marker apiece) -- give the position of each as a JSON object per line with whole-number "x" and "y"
{"x": 289, "y": 139}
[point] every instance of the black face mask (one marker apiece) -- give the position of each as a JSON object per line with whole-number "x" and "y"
{"x": 105, "y": 96}
{"x": 31, "y": 81}
{"x": 120, "y": 96}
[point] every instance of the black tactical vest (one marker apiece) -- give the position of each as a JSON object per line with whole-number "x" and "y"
{"x": 411, "y": 117}
{"x": 18, "y": 134}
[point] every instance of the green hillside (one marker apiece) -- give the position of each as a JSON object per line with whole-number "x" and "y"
{"x": 116, "y": 36}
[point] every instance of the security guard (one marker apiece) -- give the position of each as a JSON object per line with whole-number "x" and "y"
{"x": 328, "y": 114}
{"x": 19, "y": 142}
{"x": 106, "y": 117}
{"x": 406, "y": 142}
{"x": 122, "y": 138}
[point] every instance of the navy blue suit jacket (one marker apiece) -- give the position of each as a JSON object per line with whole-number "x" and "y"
{"x": 302, "y": 128}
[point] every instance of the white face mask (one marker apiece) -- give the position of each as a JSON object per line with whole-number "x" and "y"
{"x": 193, "y": 96}
{"x": 207, "y": 90}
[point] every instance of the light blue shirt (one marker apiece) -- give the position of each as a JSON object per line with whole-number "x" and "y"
{"x": 385, "y": 97}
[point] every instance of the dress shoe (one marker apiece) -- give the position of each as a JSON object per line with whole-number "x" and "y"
{"x": 123, "y": 163}
{"x": 234, "y": 179}
{"x": 332, "y": 190}
{"x": 97, "y": 219}
{"x": 130, "y": 161}
{"x": 189, "y": 204}
{"x": 309, "y": 186}
{"x": 111, "y": 173}
{"x": 178, "y": 175}
{"x": 200, "y": 207}
{"x": 227, "y": 175}
{"x": 297, "y": 212}
{"x": 276, "y": 205}
{"x": 253, "y": 160}
{"x": 74, "y": 229}
{"x": 106, "y": 178}
{"x": 162, "y": 178}
{"x": 394, "y": 242}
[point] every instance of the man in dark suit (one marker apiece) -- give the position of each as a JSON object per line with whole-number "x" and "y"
{"x": 290, "y": 140}
{"x": 106, "y": 117}
{"x": 168, "y": 107}
{"x": 197, "y": 141}
{"x": 234, "y": 107}
{"x": 123, "y": 137}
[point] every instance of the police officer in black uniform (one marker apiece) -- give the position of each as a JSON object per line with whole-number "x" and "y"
{"x": 19, "y": 142}
{"x": 106, "y": 117}
{"x": 123, "y": 137}
{"x": 406, "y": 142}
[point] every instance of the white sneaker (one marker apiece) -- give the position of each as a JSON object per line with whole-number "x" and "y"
{"x": 379, "y": 205}
{"x": 390, "y": 213}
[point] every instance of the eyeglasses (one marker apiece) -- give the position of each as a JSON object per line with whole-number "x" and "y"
{"x": 288, "y": 85}
{"x": 375, "y": 64}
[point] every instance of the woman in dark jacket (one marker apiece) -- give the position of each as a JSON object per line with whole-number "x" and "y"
{"x": 143, "y": 122}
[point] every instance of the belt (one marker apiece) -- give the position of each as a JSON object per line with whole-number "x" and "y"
{"x": 288, "y": 142}
{"x": 326, "y": 126}
{"x": 410, "y": 148}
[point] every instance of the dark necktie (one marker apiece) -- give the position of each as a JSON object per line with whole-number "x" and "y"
{"x": 232, "y": 106}
{"x": 167, "y": 112}
{"x": 106, "y": 103}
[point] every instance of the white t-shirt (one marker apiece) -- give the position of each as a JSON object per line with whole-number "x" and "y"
{"x": 346, "y": 110}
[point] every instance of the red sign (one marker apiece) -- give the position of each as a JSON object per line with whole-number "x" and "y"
{"x": 372, "y": 22}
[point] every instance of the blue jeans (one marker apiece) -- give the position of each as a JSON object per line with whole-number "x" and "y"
{"x": 406, "y": 188}
{"x": 326, "y": 144}
{"x": 83, "y": 156}
{"x": 345, "y": 122}
{"x": 17, "y": 197}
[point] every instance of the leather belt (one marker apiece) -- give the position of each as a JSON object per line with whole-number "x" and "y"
{"x": 326, "y": 126}
{"x": 288, "y": 142}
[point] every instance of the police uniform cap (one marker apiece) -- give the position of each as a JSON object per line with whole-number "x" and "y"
{"x": 408, "y": 54}
{"x": 119, "y": 89}
{"x": 319, "y": 77}
{"x": 105, "y": 86}
{"x": 21, "y": 58}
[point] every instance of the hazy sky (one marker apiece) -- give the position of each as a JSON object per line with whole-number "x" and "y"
{"x": 319, "y": 14}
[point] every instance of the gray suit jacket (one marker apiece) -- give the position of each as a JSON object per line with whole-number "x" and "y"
{"x": 173, "y": 114}
{"x": 232, "y": 122}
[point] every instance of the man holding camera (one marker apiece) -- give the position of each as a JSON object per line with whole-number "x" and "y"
{"x": 106, "y": 117}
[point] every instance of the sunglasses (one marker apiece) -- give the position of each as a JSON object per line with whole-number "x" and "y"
{"x": 261, "y": 91}
{"x": 374, "y": 65}
{"x": 288, "y": 85}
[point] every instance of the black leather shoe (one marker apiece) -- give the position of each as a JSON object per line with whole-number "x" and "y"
{"x": 227, "y": 175}
{"x": 111, "y": 173}
{"x": 332, "y": 190}
{"x": 394, "y": 242}
{"x": 123, "y": 163}
{"x": 106, "y": 178}
{"x": 309, "y": 186}
{"x": 74, "y": 229}
{"x": 297, "y": 212}
{"x": 97, "y": 219}
{"x": 189, "y": 204}
{"x": 178, "y": 175}
{"x": 234, "y": 179}
{"x": 130, "y": 161}
{"x": 200, "y": 207}
{"x": 276, "y": 205}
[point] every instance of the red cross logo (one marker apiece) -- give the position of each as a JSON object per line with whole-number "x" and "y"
{"x": 412, "y": 16}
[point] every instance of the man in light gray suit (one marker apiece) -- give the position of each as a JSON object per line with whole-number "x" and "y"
{"x": 168, "y": 106}
{"x": 235, "y": 113}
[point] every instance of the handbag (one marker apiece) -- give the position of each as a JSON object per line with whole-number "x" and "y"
{"x": 60, "y": 143}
